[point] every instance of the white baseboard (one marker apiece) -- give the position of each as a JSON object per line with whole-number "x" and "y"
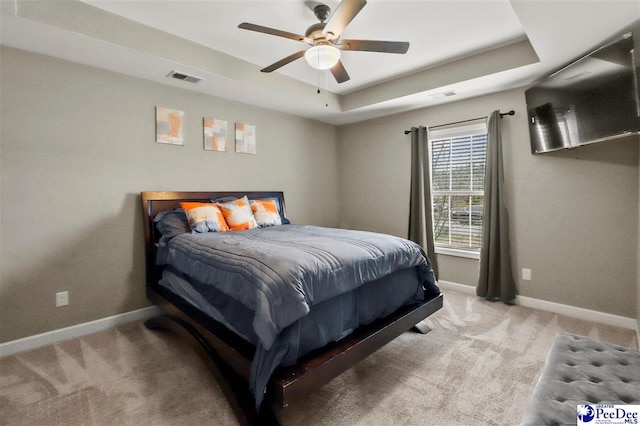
{"x": 460, "y": 288}
{"x": 78, "y": 330}
{"x": 557, "y": 308}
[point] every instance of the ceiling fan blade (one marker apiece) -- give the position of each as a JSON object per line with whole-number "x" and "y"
{"x": 299, "y": 54}
{"x": 344, "y": 13}
{"x": 339, "y": 72}
{"x": 375, "y": 46}
{"x": 273, "y": 31}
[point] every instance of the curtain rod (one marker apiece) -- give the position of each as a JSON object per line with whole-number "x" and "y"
{"x": 502, "y": 114}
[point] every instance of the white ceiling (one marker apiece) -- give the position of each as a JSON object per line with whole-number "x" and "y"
{"x": 215, "y": 25}
{"x": 472, "y": 47}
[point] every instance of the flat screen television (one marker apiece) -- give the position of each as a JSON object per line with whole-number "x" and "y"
{"x": 593, "y": 99}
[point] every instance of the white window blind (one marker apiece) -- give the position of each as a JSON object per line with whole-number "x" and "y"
{"x": 458, "y": 155}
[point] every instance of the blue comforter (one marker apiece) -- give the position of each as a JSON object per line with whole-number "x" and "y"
{"x": 280, "y": 272}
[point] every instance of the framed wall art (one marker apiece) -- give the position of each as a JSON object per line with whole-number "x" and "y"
{"x": 215, "y": 134}
{"x": 245, "y": 138}
{"x": 169, "y": 123}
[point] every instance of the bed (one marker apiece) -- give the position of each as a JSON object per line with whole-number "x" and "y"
{"x": 271, "y": 329}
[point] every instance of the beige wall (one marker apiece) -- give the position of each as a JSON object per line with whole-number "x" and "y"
{"x": 573, "y": 214}
{"x": 77, "y": 147}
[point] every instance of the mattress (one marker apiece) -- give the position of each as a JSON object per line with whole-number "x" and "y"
{"x": 326, "y": 322}
{"x": 334, "y": 318}
{"x": 281, "y": 271}
{"x": 291, "y": 289}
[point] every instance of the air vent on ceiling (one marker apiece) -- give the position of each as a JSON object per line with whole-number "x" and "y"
{"x": 440, "y": 95}
{"x": 184, "y": 77}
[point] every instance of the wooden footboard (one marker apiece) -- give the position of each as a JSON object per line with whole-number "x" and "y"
{"x": 321, "y": 366}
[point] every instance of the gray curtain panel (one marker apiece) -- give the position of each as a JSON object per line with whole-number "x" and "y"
{"x": 420, "y": 219}
{"x": 496, "y": 276}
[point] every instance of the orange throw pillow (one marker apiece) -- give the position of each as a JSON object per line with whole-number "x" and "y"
{"x": 204, "y": 217}
{"x": 238, "y": 214}
{"x": 266, "y": 212}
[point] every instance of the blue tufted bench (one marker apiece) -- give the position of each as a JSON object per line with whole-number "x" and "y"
{"x": 580, "y": 371}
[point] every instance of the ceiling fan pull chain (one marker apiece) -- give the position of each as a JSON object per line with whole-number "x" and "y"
{"x": 326, "y": 88}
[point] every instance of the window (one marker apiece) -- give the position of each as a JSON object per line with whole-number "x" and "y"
{"x": 458, "y": 154}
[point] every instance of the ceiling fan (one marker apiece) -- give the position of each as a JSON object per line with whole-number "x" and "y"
{"x": 325, "y": 42}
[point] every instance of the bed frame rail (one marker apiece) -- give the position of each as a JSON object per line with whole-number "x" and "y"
{"x": 319, "y": 367}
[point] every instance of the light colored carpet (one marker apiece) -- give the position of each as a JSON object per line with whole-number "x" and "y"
{"x": 478, "y": 366}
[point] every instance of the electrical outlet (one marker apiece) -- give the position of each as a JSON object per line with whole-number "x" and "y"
{"x": 526, "y": 274}
{"x": 62, "y": 299}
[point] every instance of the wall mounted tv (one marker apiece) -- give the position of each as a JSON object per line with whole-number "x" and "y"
{"x": 593, "y": 99}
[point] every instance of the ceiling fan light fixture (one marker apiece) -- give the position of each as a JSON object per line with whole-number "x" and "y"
{"x": 322, "y": 56}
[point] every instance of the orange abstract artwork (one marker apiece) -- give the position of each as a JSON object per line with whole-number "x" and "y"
{"x": 215, "y": 134}
{"x": 245, "y": 138}
{"x": 169, "y": 124}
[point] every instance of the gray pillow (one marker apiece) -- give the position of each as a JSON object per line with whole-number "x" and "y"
{"x": 172, "y": 222}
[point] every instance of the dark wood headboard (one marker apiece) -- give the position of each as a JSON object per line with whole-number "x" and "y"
{"x": 153, "y": 202}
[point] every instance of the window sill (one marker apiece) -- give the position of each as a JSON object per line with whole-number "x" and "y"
{"x": 469, "y": 254}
